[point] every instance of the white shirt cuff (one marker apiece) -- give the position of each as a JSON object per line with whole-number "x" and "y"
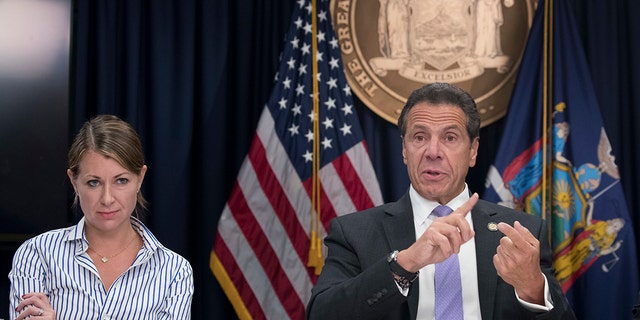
{"x": 548, "y": 302}
{"x": 404, "y": 292}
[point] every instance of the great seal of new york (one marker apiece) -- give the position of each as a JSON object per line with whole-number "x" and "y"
{"x": 391, "y": 47}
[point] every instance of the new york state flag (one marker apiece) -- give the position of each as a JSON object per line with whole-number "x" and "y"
{"x": 555, "y": 161}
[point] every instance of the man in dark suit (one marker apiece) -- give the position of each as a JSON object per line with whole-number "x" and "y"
{"x": 382, "y": 262}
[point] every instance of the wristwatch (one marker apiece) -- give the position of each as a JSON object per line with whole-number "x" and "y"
{"x": 402, "y": 277}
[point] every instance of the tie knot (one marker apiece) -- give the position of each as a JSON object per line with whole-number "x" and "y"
{"x": 442, "y": 211}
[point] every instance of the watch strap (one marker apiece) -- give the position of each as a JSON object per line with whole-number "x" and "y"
{"x": 403, "y": 278}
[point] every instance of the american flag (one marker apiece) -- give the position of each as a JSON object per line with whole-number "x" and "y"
{"x": 262, "y": 248}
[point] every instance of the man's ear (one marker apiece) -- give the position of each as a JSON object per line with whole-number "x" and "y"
{"x": 473, "y": 152}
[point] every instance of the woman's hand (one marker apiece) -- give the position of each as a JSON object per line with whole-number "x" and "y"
{"x": 35, "y": 305}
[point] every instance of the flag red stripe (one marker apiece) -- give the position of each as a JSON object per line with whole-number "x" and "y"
{"x": 261, "y": 246}
{"x": 228, "y": 260}
{"x": 277, "y": 198}
{"x": 353, "y": 185}
{"x": 326, "y": 208}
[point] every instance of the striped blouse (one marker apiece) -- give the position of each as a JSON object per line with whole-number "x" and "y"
{"x": 158, "y": 285}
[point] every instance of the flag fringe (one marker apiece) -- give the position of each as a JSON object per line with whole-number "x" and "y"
{"x": 227, "y": 286}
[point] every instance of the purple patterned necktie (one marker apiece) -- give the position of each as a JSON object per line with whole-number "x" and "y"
{"x": 447, "y": 282}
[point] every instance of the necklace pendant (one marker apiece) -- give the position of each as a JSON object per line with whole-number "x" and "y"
{"x": 104, "y": 259}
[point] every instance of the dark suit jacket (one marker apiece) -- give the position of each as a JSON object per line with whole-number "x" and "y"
{"x": 356, "y": 281}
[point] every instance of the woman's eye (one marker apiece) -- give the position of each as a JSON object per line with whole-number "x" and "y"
{"x": 93, "y": 183}
{"x": 122, "y": 181}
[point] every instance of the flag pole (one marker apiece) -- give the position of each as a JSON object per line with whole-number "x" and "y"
{"x": 547, "y": 104}
{"x": 315, "y": 249}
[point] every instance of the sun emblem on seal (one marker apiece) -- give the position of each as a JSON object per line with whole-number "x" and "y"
{"x": 563, "y": 200}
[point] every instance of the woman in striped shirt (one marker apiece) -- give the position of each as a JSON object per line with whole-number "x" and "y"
{"x": 109, "y": 265}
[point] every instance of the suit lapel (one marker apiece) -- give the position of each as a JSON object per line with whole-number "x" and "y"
{"x": 486, "y": 243}
{"x": 398, "y": 224}
{"x": 400, "y": 231}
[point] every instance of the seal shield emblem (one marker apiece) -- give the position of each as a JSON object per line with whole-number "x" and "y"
{"x": 391, "y": 47}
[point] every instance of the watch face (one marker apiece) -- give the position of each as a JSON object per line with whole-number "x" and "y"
{"x": 392, "y": 256}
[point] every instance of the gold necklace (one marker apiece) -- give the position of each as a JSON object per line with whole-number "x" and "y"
{"x": 106, "y": 259}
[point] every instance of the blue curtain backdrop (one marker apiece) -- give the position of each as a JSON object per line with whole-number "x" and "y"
{"x": 192, "y": 76}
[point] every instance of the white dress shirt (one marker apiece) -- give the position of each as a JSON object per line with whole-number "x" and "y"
{"x": 422, "y": 216}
